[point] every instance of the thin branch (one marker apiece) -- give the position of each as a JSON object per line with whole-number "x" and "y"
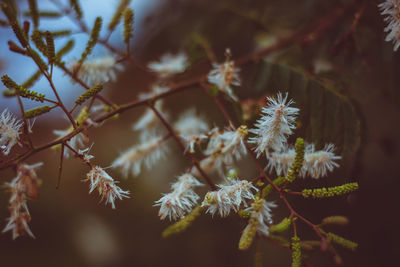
{"x": 26, "y": 127}
{"x": 183, "y": 148}
{"x": 60, "y": 166}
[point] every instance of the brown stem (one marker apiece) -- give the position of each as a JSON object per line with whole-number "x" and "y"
{"x": 182, "y": 146}
{"x": 26, "y": 130}
{"x": 60, "y": 166}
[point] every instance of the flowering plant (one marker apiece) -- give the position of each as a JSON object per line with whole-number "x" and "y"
{"x": 279, "y": 132}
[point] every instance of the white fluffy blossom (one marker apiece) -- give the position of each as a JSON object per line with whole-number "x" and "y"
{"x": 22, "y": 187}
{"x": 181, "y": 200}
{"x": 223, "y": 148}
{"x": 229, "y": 197}
{"x": 98, "y": 70}
{"x": 169, "y": 64}
{"x": 77, "y": 142}
{"x": 191, "y": 128}
{"x": 105, "y": 185}
{"x": 149, "y": 119}
{"x": 391, "y": 10}
{"x": 260, "y": 210}
{"x": 275, "y": 125}
{"x": 9, "y": 131}
{"x": 150, "y": 150}
{"x": 224, "y": 76}
{"x": 316, "y": 163}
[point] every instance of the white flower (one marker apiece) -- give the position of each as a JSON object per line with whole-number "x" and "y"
{"x": 391, "y": 10}
{"x": 224, "y": 75}
{"x": 181, "y": 200}
{"x": 260, "y": 210}
{"x": 275, "y": 125}
{"x": 281, "y": 161}
{"x": 86, "y": 157}
{"x": 9, "y": 131}
{"x": 24, "y": 185}
{"x": 99, "y": 70}
{"x": 105, "y": 185}
{"x": 169, "y": 64}
{"x": 191, "y": 128}
{"x": 149, "y": 119}
{"x": 77, "y": 142}
{"x": 149, "y": 151}
{"x": 316, "y": 163}
{"x": 229, "y": 196}
{"x": 223, "y": 148}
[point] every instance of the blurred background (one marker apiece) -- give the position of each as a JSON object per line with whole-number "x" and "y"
{"x": 361, "y": 100}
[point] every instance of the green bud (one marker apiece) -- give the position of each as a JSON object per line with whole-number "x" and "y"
{"x": 184, "y": 223}
{"x": 89, "y": 93}
{"x": 128, "y": 25}
{"x": 338, "y": 220}
{"x": 333, "y": 238}
{"x": 77, "y": 8}
{"x": 34, "y": 12}
{"x": 19, "y": 33}
{"x": 298, "y": 161}
{"x": 50, "y": 47}
{"x": 330, "y": 191}
{"x": 94, "y": 37}
{"x": 37, "y": 111}
{"x": 296, "y": 252}
{"x": 280, "y": 227}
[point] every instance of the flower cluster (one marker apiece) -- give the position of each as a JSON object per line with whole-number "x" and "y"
{"x": 169, "y": 64}
{"x": 224, "y": 76}
{"x": 10, "y": 129}
{"x": 98, "y": 70}
{"x": 191, "y": 128}
{"x": 105, "y": 185}
{"x": 229, "y": 197}
{"x": 223, "y": 148}
{"x": 22, "y": 187}
{"x": 275, "y": 125}
{"x": 316, "y": 163}
{"x": 149, "y": 120}
{"x": 150, "y": 150}
{"x": 391, "y": 10}
{"x": 260, "y": 211}
{"x": 181, "y": 200}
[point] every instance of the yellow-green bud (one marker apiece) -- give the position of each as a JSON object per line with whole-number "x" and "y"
{"x": 296, "y": 252}
{"x": 280, "y": 227}
{"x": 184, "y": 223}
{"x": 333, "y": 238}
{"x": 330, "y": 191}
{"x": 339, "y": 220}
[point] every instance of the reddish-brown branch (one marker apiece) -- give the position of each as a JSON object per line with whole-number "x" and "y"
{"x": 26, "y": 127}
{"x": 60, "y": 166}
{"x": 182, "y": 146}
